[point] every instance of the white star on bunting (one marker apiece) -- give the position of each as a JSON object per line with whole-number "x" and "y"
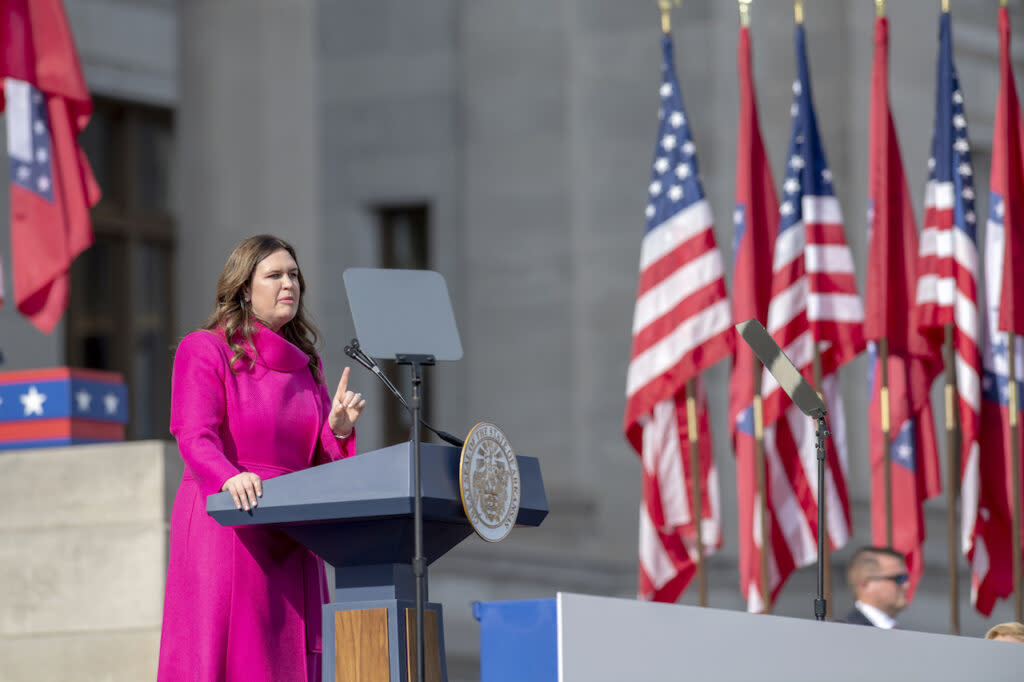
{"x": 84, "y": 400}
{"x": 33, "y": 401}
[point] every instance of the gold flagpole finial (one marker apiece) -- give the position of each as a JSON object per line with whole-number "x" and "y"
{"x": 745, "y": 12}
{"x": 945, "y": 6}
{"x": 666, "y": 14}
{"x": 1002, "y": 3}
{"x": 879, "y": 8}
{"x": 798, "y": 11}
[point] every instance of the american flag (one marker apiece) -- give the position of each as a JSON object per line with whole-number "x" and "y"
{"x": 991, "y": 555}
{"x": 814, "y": 303}
{"x": 681, "y": 326}
{"x": 756, "y": 221}
{"x": 914, "y": 360}
{"x": 947, "y": 268}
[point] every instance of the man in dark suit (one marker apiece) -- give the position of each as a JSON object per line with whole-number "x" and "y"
{"x": 878, "y": 579}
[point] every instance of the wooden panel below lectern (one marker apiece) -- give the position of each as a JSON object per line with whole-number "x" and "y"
{"x": 362, "y": 652}
{"x": 361, "y": 645}
{"x": 432, "y": 659}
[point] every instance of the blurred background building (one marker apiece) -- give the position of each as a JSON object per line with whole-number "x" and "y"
{"x": 506, "y": 145}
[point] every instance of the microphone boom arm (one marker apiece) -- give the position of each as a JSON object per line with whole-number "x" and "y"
{"x": 355, "y": 352}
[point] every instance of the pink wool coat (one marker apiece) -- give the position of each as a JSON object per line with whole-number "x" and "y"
{"x": 242, "y": 604}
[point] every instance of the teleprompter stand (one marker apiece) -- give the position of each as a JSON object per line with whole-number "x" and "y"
{"x": 407, "y": 315}
{"x": 807, "y": 399}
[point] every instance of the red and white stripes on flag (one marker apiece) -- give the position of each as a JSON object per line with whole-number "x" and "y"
{"x": 947, "y": 267}
{"x": 814, "y": 303}
{"x": 682, "y": 325}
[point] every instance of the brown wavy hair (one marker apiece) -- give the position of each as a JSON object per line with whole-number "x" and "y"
{"x": 233, "y": 316}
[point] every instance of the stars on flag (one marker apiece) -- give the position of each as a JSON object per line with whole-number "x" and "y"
{"x": 796, "y": 162}
{"x": 676, "y": 119}
{"x": 739, "y": 216}
{"x": 668, "y": 142}
{"x": 791, "y": 185}
{"x": 683, "y": 171}
{"x": 28, "y": 138}
{"x": 111, "y": 403}
{"x": 661, "y": 165}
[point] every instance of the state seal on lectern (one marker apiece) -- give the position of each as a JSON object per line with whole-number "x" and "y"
{"x": 489, "y": 482}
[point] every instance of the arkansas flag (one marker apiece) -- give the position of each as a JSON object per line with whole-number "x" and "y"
{"x": 992, "y": 551}
{"x": 913, "y": 359}
{"x": 52, "y": 186}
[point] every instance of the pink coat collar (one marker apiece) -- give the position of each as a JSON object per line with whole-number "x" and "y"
{"x": 277, "y": 353}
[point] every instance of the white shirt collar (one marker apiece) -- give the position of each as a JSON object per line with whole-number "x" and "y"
{"x": 878, "y": 618}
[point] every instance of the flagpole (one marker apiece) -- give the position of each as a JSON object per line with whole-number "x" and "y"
{"x": 696, "y": 474}
{"x": 666, "y": 14}
{"x": 883, "y": 354}
{"x": 760, "y": 466}
{"x": 762, "y": 488}
{"x": 1015, "y": 473}
{"x": 883, "y": 394}
{"x": 953, "y": 445}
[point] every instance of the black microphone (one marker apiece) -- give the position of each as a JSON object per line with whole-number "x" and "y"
{"x": 353, "y": 351}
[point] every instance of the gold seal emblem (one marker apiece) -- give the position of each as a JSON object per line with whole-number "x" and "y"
{"x": 489, "y": 482}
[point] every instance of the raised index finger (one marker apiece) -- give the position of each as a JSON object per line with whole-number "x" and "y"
{"x": 342, "y": 385}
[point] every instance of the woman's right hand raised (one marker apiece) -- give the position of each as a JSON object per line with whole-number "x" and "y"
{"x": 244, "y": 488}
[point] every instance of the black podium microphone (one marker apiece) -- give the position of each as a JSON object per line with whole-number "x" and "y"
{"x": 355, "y": 352}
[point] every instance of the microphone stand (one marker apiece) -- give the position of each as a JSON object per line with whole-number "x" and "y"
{"x": 419, "y": 562}
{"x": 822, "y": 433}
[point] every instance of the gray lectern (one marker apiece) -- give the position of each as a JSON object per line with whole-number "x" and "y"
{"x": 357, "y": 514}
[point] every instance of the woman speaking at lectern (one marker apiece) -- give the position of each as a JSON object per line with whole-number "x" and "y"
{"x": 249, "y": 402}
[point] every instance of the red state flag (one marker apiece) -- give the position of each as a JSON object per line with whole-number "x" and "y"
{"x": 913, "y": 359}
{"x": 755, "y": 223}
{"x": 52, "y": 185}
{"x": 991, "y": 552}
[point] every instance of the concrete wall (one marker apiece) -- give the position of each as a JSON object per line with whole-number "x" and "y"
{"x": 83, "y": 558}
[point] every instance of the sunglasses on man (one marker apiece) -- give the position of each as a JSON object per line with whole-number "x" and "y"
{"x": 900, "y": 578}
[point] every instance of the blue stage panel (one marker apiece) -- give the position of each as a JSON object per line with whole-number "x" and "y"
{"x": 518, "y": 640}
